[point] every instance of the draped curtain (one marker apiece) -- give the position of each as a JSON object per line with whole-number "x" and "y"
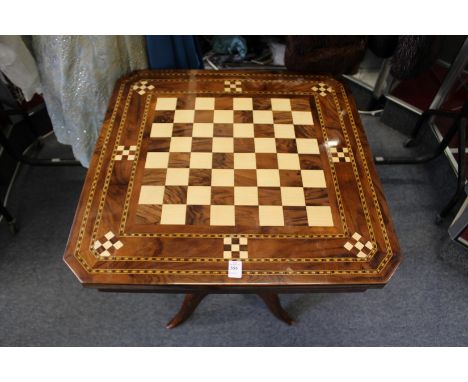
{"x": 78, "y": 74}
{"x": 173, "y": 52}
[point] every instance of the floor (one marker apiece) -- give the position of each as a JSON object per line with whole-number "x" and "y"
{"x": 425, "y": 304}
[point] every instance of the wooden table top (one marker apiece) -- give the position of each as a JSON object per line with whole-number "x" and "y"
{"x": 196, "y": 168}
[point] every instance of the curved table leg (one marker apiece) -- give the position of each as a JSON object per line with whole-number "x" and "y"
{"x": 273, "y": 303}
{"x": 192, "y": 300}
{"x": 189, "y": 305}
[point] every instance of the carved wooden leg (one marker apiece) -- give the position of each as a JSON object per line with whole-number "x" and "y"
{"x": 189, "y": 305}
{"x": 273, "y": 303}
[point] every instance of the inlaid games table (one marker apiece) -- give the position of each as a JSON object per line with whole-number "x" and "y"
{"x": 198, "y": 171}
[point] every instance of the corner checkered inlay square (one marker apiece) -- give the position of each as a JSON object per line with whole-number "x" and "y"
{"x": 142, "y": 87}
{"x": 322, "y": 88}
{"x": 107, "y": 245}
{"x": 233, "y": 86}
{"x": 339, "y": 154}
{"x": 235, "y": 248}
{"x": 125, "y": 153}
{"x": 363, "y": 250}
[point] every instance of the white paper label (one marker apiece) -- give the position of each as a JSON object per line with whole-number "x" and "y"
{"x": 235, "y": 269}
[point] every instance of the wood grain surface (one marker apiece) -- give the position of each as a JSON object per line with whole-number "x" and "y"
{"x": 194, "y": 168}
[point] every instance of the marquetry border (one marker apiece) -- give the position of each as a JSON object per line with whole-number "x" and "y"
{"x": 221, "y": 235}
{"x": 125, "y": 212}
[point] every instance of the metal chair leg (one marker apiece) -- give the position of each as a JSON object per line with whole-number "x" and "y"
{"x": 34, "y": 161}
{"x": 460, "y": 175}
{"x": 457, "y": 117}
{"x": 428, "y": 114}
{"x": 4, "y": 114}
{"x": 4, "y": 212}
{"x": 9, "y": 219}
{"x": 424, "y": 158}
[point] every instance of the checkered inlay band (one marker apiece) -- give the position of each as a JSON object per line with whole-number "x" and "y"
{"x": 142, "y": 87}
{"x": 125, "y": 153}
{"x": 107, "y": 245}
{"x": 235, "y": 248}
{"x": 233, "y": 86}
{"x": 339, "y": 154}
{"x": 322, "y": 88}
{"x": 357, "y": 246}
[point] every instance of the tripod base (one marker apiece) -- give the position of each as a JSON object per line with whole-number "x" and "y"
{"x": 192, "y": 300}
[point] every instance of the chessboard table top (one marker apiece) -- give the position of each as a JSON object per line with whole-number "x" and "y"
{"x": 196, "y": 168}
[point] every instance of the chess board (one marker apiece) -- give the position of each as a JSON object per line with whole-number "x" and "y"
{"x": 193, "y": 169}
{"x": 224, "y": 161}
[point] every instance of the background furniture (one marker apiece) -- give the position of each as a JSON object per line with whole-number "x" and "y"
{"x": 6, "y": 112}
{"x": 458, "y": 127}
{"x": 459, "y": 227}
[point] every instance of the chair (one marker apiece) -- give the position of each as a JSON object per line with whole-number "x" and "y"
{"x": 458, "y": 126}
{"x": 5, "y": 112}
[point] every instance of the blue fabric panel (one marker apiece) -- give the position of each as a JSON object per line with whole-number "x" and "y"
{"x": 173, "y": 52}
